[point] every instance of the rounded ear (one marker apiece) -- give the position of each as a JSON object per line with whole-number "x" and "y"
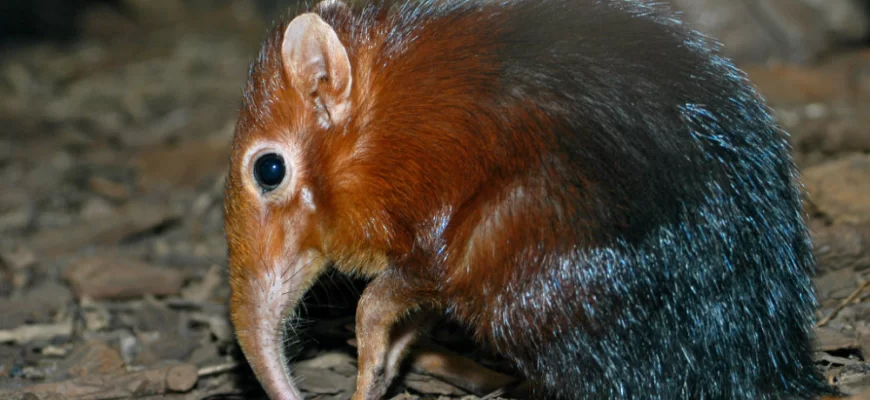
{"x": 317, "y": 64}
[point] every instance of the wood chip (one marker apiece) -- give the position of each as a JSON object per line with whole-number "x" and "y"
{"x": 94, "y": 358}
{"x": 188, "y": 164}
{"x": 152, "y": 382}
{"x": 100, "y": 277}
{"x": 130, "y": 220}
{"x": 109, "y": 189}
{"x": 328, "y": 360}
{"x": 842, "y": 246}
{"x": 38, "y": 305}
{"x": 851, "y": 379}
{"x": 835, "y": 285}
{"x": 840, "y": 188}
{"x": 323, "y": 381}
{"x": 18, "y": 258}
{"x": 832, "y": 340}
{"x": 28, "y": 333}
{"x": 202, "y": 291}
{"x": 405, "y": 396}
{"x": 844, "y": 303}
{"x": 427, "y": 385}
{"x": 219, "y": 325}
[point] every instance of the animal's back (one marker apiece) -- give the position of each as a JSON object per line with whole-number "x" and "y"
{"x": 624, "y": 219}
{"x": 657, "y": 248}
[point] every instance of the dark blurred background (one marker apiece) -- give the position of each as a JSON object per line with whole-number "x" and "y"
{"x": 753, "y": 30}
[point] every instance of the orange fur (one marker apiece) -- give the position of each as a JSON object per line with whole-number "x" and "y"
{"x": 416, "y": 114}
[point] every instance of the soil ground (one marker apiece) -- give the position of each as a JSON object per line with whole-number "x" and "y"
{"x": 112, "y": 256}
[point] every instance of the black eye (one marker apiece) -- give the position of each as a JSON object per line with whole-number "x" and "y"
{"x": 269, "y": 170}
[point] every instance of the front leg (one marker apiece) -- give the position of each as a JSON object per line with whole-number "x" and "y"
{"x": 383, "y": 332}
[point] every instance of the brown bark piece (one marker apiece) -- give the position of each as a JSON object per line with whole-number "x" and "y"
{"x": 134, "y": 218}
{"x": 785, "y": 30}
{"x": 323, "y": 381}
{"x": 840, "y": 188}
{"x": 852, "y": 379}
{"x": 95, "y": 358}
{"x": 109, "y": 189}
{"x": 426, "y": 385}
{"x": 187, "y": 165}
{"x": 835, "y": 285}
{"x": 158, "y": 381}
{"x": 100, "y": 277}
{"x": 38, "y": 305}
{"x": 841, "y": 246}
{"x": 831, "y": 340}
{"x": 28, "y": 333}
{"x": 793, "y": 84}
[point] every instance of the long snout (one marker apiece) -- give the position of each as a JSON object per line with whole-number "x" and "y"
{"x": 262, "y": 308}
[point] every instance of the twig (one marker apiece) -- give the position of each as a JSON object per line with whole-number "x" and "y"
{"x": 217, "y": 369}
{"x": 498, "y": 393}
{"x": 843, "y": 304}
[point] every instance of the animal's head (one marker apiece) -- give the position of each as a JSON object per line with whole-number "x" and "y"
{"x": 359, "y": 133}
{"x": 298, "y": 94}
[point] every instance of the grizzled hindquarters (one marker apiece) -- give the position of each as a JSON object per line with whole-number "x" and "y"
{"x": 696, "y": 279}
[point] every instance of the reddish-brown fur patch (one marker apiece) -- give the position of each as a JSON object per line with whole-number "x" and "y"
{"x": 422, "y": 140}
{"x": 427, "y": 175}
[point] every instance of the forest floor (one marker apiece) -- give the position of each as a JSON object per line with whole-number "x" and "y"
{"x": 112, "y": 255}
